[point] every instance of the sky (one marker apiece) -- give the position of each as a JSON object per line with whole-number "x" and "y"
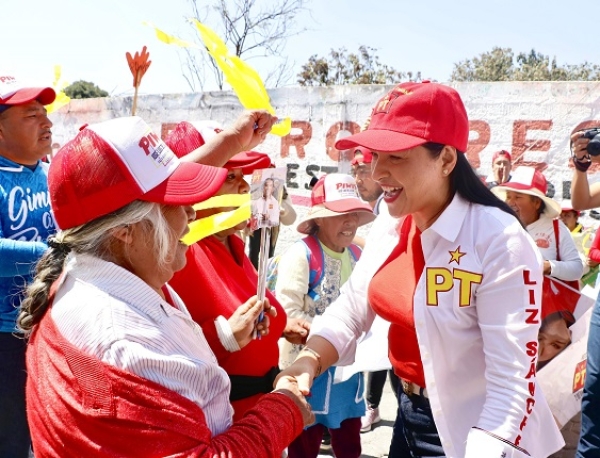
{"x": 89, "y": 39}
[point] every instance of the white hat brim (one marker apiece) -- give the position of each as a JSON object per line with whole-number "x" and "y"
{"x": 319, "y": 211}
{"x": 552, "y": 207}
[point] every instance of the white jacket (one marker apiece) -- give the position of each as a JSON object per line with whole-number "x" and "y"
{"x": 476, "y": 313}
{"x": 570, "y": 266}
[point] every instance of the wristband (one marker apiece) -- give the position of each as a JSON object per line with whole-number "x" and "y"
{"x": 316, "y": 355}
{"x": 579, "y": 165}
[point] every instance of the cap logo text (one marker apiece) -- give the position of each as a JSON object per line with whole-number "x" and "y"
{"x": 154, "y": 147}
{"x": 342, "y": 186}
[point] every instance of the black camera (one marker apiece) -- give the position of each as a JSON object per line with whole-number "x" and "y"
{"x": 593, "y": 147}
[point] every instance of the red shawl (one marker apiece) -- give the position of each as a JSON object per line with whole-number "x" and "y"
{"x": 78, "y": 406}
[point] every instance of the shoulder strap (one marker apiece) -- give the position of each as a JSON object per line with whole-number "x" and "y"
{"x": 316, "y": 260}
{"x": 355, "y": 251}
{"x": 556, "y": 237}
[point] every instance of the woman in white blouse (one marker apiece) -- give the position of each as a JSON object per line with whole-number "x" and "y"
{"x": 116, "y": 365}
{"x": 458, "y": 278}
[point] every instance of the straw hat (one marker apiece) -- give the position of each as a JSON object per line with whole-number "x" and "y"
{"x": 333, "y": 195}
{"x": 528, "y": 180}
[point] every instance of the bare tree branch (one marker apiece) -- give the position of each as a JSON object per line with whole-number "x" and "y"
{"x": 252, "y": 29}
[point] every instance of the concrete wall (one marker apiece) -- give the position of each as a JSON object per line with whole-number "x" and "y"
{"x": 533, "y": 120}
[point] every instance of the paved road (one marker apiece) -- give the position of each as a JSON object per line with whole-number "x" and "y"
{"x": 376, "y": 443}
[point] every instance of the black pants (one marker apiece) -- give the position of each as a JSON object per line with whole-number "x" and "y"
{"x": 254, "y": 246}
{"x": 375, "y": 383}
{"x": 14, "y": 432}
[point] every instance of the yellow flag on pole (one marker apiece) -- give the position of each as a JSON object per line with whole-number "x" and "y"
{"x": 242, "y": 78}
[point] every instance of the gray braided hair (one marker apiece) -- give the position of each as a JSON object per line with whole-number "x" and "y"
{"x": 94, "y": 238}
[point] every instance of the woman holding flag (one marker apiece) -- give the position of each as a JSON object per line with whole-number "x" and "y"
{"x": 218, "y": 277}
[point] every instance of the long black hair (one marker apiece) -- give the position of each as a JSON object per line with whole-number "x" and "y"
{"x": 465, "y": 182}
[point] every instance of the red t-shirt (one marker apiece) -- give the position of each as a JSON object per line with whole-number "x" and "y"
{"x": 391, "y": 294}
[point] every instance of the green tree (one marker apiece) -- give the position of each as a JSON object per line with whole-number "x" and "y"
{"x": 251, "y": 29}
{"x": 84, "y": 90}
{"x": 496, "y": 65}
{"x": 500, "y": 65}
{"x": 341, "y": 67}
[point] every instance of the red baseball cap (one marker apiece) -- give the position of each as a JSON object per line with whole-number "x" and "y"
{"x": 110, "y": 164}
{"x": 367, "y": 156}
{"x": 412, "y": 114}
{"x": 332, "y": 195}
{"x": 567, "y": 206}
{"x": 502, "y": 152}
{"x": 14, "y": 92}
{"x": 186, "y": 137}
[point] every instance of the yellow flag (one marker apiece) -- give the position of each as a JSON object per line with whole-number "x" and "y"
{"x": 227, "y": 200}
{"x": 210, "y": 225}
{"x": 242, "y": 78}
{"x": 170, "y": 39}
{"x": 61, "y": 98}
{"x": 204, "y": 227}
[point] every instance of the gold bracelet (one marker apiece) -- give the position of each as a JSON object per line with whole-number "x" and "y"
{"x": 316, "y": 355}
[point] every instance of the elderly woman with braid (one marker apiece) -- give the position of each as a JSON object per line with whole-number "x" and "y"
{"x": 116, "y": 366}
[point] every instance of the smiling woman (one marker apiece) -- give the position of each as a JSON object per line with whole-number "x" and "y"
{"x": 457, "y": 297}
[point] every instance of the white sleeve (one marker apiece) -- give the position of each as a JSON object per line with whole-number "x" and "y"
{"x": 512, "y": 267}
{"x": 292, "y": 281}
{"x": 350, "y": 314}
{"x": 225, "y": 334}
{"x": 570, "y": 266}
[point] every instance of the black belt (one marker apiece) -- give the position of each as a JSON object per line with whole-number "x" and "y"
{"x": 244, "y": 386}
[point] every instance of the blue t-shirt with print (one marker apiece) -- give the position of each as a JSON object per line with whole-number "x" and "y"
{"x": 25, "y": 224}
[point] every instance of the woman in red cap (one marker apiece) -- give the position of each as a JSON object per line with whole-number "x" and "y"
{"x": 217, "y": 282}
{"x": 458, "y": 278}
{"x": 116, "y": 366}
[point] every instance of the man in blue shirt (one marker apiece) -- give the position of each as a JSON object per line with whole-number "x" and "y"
{"x": 25, "y": 224}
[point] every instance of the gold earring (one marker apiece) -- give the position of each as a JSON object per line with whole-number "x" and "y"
{"x": 445, "y": 172}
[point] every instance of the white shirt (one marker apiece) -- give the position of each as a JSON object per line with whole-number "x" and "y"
{"x": 475, "y": 375}
{"x": 113, "y": 315}
{"x": 570, "y": 266}
{"x": 268, "y": 210}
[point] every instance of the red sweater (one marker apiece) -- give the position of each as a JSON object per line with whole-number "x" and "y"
{"x": 78, "y": 406}
{"x": 214, "y": 282}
